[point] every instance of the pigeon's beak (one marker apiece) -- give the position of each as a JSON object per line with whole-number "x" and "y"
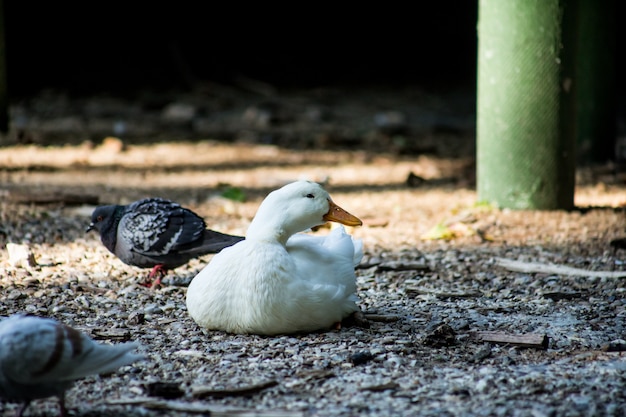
{"x": 90, "y": 227}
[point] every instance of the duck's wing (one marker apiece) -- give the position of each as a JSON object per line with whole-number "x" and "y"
{"x": 328, "y": 260}
{"x": 339, "y": 241}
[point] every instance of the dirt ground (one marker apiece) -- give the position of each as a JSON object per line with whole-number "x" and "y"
{"x": 432, "y": 258}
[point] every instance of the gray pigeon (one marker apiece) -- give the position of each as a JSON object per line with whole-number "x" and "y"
{"x": 41, "y": 357}
{"x": 156, "y": 233}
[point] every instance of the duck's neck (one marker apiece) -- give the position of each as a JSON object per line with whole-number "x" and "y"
{"x": 268, "y": 231}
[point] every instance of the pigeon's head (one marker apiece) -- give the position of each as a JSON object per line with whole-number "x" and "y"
{"x": 102, "y": 218}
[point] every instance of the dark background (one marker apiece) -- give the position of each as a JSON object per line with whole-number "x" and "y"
{"x": 120, "y": 47}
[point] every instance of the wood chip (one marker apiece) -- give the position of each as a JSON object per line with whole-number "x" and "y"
{"x": 529, "y": 340}
{"x": 111, "y": 334}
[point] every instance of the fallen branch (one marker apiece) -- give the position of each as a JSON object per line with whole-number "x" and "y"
{"x": 533, "y": 267}
{"x": 384, "y": 318}
{"x": 440, "y": 294}
{"x": 204, "y": 391}
{"x": 381, "y": 387}
{"x": 529, "y": 340}
{"x": 403, "y": 266}
{"x": 201, "y": 408}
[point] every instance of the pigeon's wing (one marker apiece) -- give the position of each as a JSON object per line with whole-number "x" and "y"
{"x": 26, "y": 345}
{"x": 155, "y": 227}
{"x": 38, "y": 350}
{"x": 210, "y": 242}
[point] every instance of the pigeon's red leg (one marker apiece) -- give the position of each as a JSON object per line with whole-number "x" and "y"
{"x": 156, "y": 282}
{"x": 158, "y": 271}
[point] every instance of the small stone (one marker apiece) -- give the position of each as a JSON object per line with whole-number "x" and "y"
{"x": 153, "y": 309}
{"x": 360, "y": 358}
{"x": 442, "y": 336}
{"x": 136, "y": 318}
{"x": 15, "y": 295}
{"x": 20, "y": 256}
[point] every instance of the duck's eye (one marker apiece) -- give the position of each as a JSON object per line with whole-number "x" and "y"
{"x": 310, "y": 196}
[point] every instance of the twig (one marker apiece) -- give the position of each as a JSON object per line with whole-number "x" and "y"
{"x": 384, "y": 318}
{"x": 201, "y": 408}
{"x": 381, "y": 387}
{"x": 440, "y": 294}
{"x": 533, "y": 267}
{"x": 530, "y": 340}
{"x": 403, "y": 266}
{"x": 204, "y": 391}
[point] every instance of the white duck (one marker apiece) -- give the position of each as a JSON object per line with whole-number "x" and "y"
{"x": 279, "y": 281}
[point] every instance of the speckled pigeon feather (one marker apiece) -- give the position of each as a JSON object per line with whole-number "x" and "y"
{"x": 157, "y": 227}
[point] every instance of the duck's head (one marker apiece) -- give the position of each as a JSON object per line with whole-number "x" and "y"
{"x": 296, "y": 207}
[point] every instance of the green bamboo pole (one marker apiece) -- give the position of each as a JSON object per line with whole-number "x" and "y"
{"x": 524, "y": 161}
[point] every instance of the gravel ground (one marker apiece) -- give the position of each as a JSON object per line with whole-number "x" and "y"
{"x": 430, "y": 302}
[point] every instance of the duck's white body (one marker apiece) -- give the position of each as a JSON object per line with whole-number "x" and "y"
{"x": 278, "y": 281}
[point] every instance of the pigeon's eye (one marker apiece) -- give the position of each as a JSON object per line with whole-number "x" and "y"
{"x": 310, "y": 196}
{"x": 99, "y": 218}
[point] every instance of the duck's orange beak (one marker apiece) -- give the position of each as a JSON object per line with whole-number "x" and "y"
{"x": 339, "y": 215}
